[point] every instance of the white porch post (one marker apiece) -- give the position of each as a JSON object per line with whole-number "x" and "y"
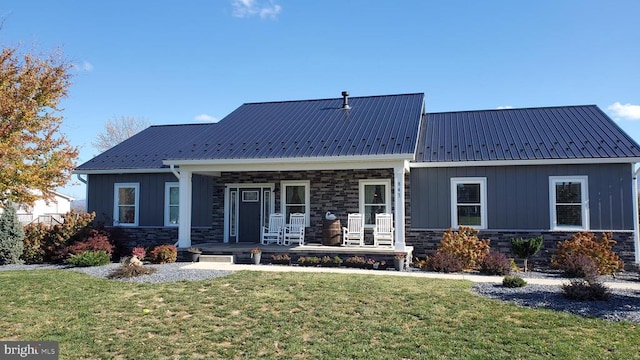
{"x": 184, "y": 212}
{"x": 398, "y": 177}
{"x": 634, "y": 193}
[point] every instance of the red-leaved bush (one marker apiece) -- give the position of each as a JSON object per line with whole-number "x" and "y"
{"x": 96, "y": 241}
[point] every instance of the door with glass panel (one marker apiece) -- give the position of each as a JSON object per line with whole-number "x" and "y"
{"x": 249, "y": 209}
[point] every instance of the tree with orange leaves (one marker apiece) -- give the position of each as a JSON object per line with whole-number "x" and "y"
{"x": 34, "y": 154}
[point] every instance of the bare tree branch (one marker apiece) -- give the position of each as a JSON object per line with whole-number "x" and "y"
{"x": 118, "y": 129}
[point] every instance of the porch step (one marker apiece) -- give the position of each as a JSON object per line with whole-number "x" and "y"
{"x": 217, "y": 258}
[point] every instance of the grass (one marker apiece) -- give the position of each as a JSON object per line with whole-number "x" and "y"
{"x": 251, "y": 315}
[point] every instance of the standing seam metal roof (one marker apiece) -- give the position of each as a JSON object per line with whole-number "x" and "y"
{"x": 375, "y": 125}
{"x": 565, "y": 132}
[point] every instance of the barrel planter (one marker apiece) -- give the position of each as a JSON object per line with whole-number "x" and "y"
{"x": 331, "y": 233}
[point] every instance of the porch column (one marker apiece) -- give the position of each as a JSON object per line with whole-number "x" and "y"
{"x": 398, "y": 177}
{"x": 184, "y": 210}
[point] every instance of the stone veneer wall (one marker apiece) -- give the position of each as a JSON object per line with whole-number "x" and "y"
{"x": 330, "y": 190}
{"x": 152, "y": 236}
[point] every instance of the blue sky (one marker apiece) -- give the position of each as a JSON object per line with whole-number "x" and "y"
{"x": 193, "y": 61}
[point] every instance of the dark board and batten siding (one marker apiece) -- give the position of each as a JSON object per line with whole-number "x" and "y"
{"x": 152, "y": 194}
{"x": 518, "y": 196}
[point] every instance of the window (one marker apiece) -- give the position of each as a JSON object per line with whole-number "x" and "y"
{"x": 125, "y": 210}
{"x": 568, "y": 197}
{"x": 171, "y": 203}
{"x": 469, "y": 202}
{"x": 375, "y": 198}
{"x": 233, "y": 210}
{"x": 295, "y": 198}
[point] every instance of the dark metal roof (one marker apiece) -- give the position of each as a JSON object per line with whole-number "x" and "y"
{"x": 148, "y": 148}
{"x": 375, "y": 125}
{"x": 567, "y": 132}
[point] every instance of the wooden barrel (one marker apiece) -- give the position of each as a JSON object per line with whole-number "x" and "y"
{"x": 331, "y": 233}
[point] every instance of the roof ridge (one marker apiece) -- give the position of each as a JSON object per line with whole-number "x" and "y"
{"x": 523, "y": 108}
{"x": 189, "y": 124}
{"x": 325, "y": 99}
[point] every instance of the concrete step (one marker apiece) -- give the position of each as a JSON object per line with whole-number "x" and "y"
{"x": 228, "y": 259}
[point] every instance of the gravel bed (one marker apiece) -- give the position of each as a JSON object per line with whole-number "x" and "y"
{"x": 164, "y": 273}
{"x": 623, "y": 305}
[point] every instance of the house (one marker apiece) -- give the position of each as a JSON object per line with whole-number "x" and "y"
{"x": 514, "y": 172}
{"x": 45, "y": 211}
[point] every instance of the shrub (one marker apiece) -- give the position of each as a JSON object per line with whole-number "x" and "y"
{"x": 579, "y": 265}
{"x": 308, "y": 260}
{"x": 464, "y": 245}
{"x": 581, "y": 289}
{"x": 11, "y": 236}
{"x": 525, "y": 248}
{"x": 35, "y": 235}
{"x": 139, "y": 252}
{"x": 326, "y": 261}
{"x": 129, "y": 269}
{"x": 75, "y": 227}
{"x": 495, "y": 264}
{"x": 421, "y": 263}
{"x": 445, "y": 262}
{"x": 89, "y": 258}
{"x": 355, "y": 261}
{"x": 97, "y": 241}
{"x": 337, "y": 260}
{"x": 600, "y": 251}
{"x": 513, "y": 282}
{"x": 163, "y": 254}
{"x": 281, "y": 259}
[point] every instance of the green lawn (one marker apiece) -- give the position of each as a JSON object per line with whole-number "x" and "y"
{"x": 251, "y": 315}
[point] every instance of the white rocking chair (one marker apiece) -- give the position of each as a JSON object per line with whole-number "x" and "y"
{"x": 353, "y": 234}
{"x": 383, "y": 232}
{"x": 273, "y": 233}
{"x": 294, "y": 231}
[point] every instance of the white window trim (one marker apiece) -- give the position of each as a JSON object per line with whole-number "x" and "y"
{"x": 387, "y": 195}
{"x": 483, "y": 200}
{"x": 307, "y": 197}
{"x": 116, "y": 212}
{"x": 167, "y": 198}
{"x": 584, "y": 190}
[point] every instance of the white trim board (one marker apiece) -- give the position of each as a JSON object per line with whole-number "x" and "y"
{"x": 626, "y": 160}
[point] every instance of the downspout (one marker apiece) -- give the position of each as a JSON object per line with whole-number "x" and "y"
{"x": 636, "y": 236}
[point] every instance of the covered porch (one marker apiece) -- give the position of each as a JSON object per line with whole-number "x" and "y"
{"x": 338, "y": 185}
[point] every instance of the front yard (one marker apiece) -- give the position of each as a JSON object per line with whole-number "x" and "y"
{"x": 292, "y": 315}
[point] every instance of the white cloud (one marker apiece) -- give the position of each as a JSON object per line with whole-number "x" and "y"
{"x": 206, "y": 118}
{"x": 502, "y": 107}
{"x": 85, "y": 66}
{"x": 625, "y": 111}
{"x": 249, "y": 8}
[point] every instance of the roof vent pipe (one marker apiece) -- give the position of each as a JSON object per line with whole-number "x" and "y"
{"x": 345, "y": 100}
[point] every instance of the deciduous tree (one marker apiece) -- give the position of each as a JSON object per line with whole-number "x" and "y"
{"x": 34, "y": 154}
{"x": 118, "y": 129}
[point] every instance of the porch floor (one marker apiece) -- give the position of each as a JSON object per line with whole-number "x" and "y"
{"x": 242, "y": 251}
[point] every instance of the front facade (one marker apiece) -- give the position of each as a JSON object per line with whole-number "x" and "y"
{"x": 516, "y": 172}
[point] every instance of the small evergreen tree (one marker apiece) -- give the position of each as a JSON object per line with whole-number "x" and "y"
{"x": 11, "y": 236}
{"x": 525, "y": 248}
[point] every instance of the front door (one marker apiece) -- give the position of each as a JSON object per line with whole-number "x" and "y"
{"x": 248, "y": 210}
{"x": 249, "y": 215}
